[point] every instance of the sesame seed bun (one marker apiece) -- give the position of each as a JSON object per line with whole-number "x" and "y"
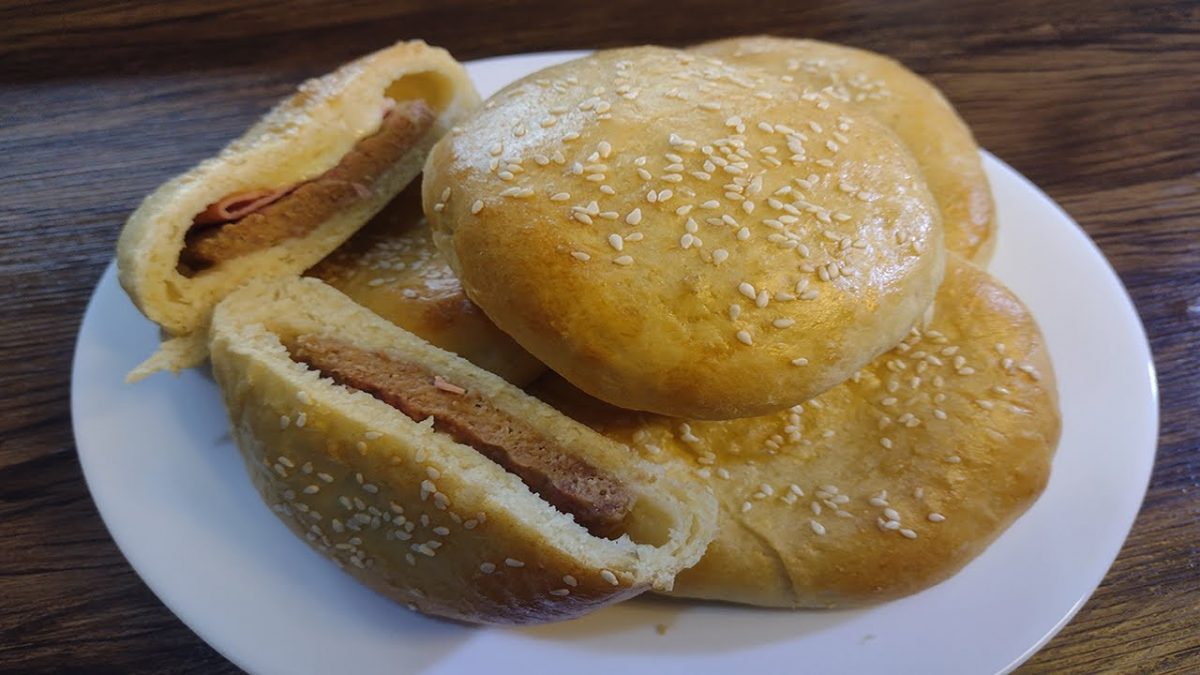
{"x": 677, "y": 235}
{"x": 908, "y": 103}
{"x": 882, "y": 486}
{"x": 391, "y": 267}
{"x": 300, "y": 139}
{"x": 404, "y": 508}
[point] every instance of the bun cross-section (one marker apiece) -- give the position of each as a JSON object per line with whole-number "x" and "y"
{"x": 289, "y": 191}
{"x": 433, "y": 481}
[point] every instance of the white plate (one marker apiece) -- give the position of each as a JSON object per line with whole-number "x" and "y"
{"x": 172, "y": 491}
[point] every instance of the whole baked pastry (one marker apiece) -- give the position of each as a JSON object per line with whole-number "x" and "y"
{"x": 677, "y": 235}
{"x": 908, "y": 103}
{"x": 432, "y": 481}
{"x": 882, "y": 486}
{"x": 391, "y": 267}
{"x": 288, "y": 192}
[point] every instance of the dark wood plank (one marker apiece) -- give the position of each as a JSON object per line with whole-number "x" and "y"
{"x": 99, "y": 102}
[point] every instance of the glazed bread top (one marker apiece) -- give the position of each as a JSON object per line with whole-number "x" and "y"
{"x": 673, "y": 234}
{"x": 909, "y": 104}
{"x": 882, "y": 486}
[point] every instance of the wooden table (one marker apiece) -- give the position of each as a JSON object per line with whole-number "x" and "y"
{"x": 1097, "y": 102}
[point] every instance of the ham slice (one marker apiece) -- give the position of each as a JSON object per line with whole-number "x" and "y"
{"x": 254, "y": 220}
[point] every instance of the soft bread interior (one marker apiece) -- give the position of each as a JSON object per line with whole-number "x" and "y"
{"x": 303, "y": 137}
{"x": 670, "y": 522}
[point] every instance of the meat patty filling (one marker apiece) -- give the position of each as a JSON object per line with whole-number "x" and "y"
{"x": 596, "y": 499}
{"x": 254, "y": 220}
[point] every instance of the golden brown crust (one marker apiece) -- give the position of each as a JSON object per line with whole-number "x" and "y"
{"x": 685, "y": 253}
{"x": 301, "y": 138}
{"x": 910, "y": 105}
{"x": 407, "y": 510}
{"x": 898, "y": 481}
{"x": 391, "y": 267}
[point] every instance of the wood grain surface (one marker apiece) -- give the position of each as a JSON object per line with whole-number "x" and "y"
{"x": 1098, "y": 102}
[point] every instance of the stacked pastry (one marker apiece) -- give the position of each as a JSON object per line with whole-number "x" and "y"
{"x": 775, "y": 372}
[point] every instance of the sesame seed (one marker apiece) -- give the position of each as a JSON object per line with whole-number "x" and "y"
{"x": 624, "y": 260}
{"x": 609, "y": 577}
{"x": 580, "y": 255}
{"x": 744, "y": 337}
{"x": 735, "y": 310}
{"x": 783, "y": 323}
{"x": 476, "y": 207}
{"x": 616, "y": 242}
{"x": 487, "y": 568}
{"x": 634, "y": 217}
{"x": 582, "y": 217}
{"x": 720, "y": 255}
{"x": 954, "y": 459}
{"x": 570, "y": 580}
{"x": 560, "y": 196}
{"x": 560, "y": 592}
{"x": 301, "y": 419}
{"x": 441, "y": 530}
{"x": 710, "y": 204}
{"x": 800, "y": 361}
{"x": 817, "y": 528}
{"x": 936, "y": 517}
{"x": 909, "y": 534}
{"x": 513, "y": 562}
{"x": 372, "y": 435}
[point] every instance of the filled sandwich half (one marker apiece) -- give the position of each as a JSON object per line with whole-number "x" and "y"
{"x": 433, "y": 481}
{"x": 289, "y": 191}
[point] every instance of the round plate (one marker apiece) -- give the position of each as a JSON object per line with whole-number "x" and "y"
{"x": 172, "y": 490}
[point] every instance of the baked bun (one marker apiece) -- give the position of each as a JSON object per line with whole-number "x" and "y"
{"x": 882, "y": 486}
{"x": 385, "y": 491}
{"x": 908, "y": 103}
{"x": 672, "y": 234}
{"x": 289, "y": 191}
{"x": 391, "y": 267}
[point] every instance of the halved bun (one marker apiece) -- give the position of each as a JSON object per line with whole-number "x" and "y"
{"x": 882, "y": 486}
{"x": 299, "y": 140}
{"x": 435, "y": 523}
